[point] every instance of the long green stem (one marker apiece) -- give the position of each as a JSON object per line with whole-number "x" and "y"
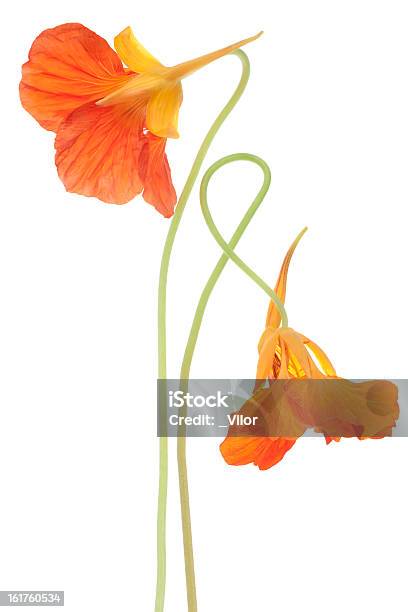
{"x": 194, "y": 332}
{"x": 162, "y": 366}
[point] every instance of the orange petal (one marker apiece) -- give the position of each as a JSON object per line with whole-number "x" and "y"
{"x": 133, "y": 54}
{"x": 298, "y": 354}
{"x": 273, "y": 317}
{"x": 263, "y": 452}
{"x": 68, "y": 66}
{"x": 332, "y": 439}
{"x": 155, "y": 173}
{"x": 98, "y": 150}
{"x": 267, "y": 347}
{"x": 163, "y": 111}
{"x": 321, "y": 356}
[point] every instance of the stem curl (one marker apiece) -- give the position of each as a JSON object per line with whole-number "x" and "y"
{"x": 229, "y": 248}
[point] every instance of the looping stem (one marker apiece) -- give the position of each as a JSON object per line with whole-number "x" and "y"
{"x": 228, "y": 248}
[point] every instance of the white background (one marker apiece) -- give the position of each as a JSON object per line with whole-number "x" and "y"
{"x": 327, "y": 108}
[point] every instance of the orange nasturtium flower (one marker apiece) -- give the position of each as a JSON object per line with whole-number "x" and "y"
{"x": 330, "y": 405}
{"x": 111, "y": 121}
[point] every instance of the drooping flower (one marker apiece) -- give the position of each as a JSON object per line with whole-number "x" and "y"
{"x": 303, "y": 391}
{"x": 111, "y": 121}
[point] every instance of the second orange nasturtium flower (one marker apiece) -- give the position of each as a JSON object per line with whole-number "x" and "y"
{"x": 334, "y": 406}
{"x": 112, "y": 121}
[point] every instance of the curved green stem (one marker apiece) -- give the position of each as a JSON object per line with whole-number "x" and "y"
{"x": 162, "y": 365}
{"x": 228, "y": 250}
{"x": 228, "y": 247}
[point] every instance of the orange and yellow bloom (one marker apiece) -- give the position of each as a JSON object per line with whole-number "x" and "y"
{"x": 112, "y": 111}
{"x": 309, "y": 395}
